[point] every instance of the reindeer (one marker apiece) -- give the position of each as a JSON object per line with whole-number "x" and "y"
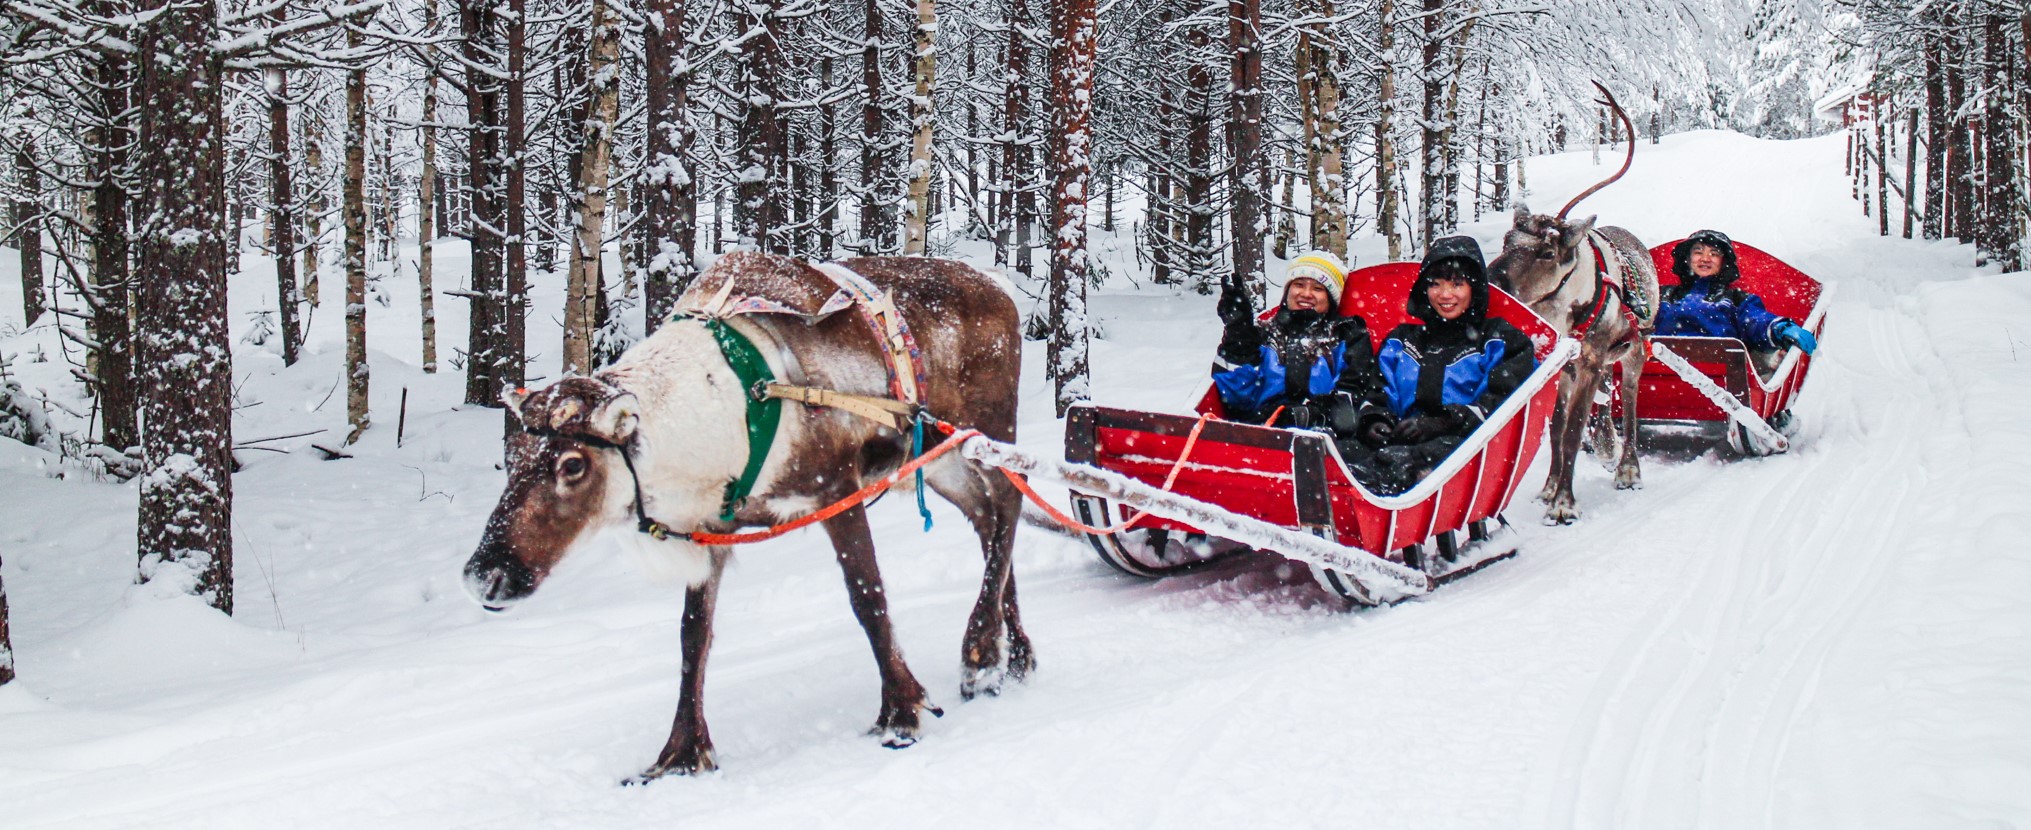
{"x": 1597, "y": 285}
{"x": 661, "y": 432}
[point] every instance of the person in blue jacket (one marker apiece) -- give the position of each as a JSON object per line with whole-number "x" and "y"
{"x": 1706, "y": 303}
{"x": 1440, "y": 377}
{"x": 1287, "y": 370}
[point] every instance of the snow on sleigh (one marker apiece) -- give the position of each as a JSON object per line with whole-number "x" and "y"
{"x": 1292, "y": 488}
{"x": 1710, "y": 380}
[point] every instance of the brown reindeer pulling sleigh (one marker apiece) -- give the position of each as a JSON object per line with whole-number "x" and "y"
{"x": 687, "y": 437}
{"x": 1598, "y": 286}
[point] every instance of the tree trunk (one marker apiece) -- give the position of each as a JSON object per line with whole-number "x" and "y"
{"x": 828, "y": 169}
{"x": 1935, "y": 131}
{"x": 1882, "y": 171}
{"x": 2001, "y": 219}
{"x": 1073, "y": 29}
{"x": 916, "y": 226}
{"x": 111, "y": 291}
{"x": 672, "y": 209}
{"x": 1015, "y": 119}
{"x": 514, "y": 365}
{"x": 1385, "y": 123}
{"x": 355, "y": 208}
{"x": 282, "y": 240}
{"x": 1431, "y": 149}
{"x": 184, "y": 368}
{"x": 314, "y": 206}
{"x": 486, "y": 217}
{"x": 874, "y": 225}
{"x": 28, "y": 225}
{"x": 1198, "y": 183}
{"x": 1910, "y": 166}
{"x": 582, "y": 284}
{"x": 1960, "y": 190}
{"x": 1244, "y": 114}
{"x": 1324, "y": 137}
{"x": 6, "y": 641}
{"x": 762, "y": 193}
{"x": 427, "y": 199}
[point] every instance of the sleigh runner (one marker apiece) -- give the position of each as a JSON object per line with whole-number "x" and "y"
{"x": 1377, "y": 548}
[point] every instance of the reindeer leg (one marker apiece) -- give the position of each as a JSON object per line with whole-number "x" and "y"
{"x": 1628, "y": 473}
{"x": 689, "y": 750}
{"x": 1559, "y": 463}
{"x": 1573, "y": 407}
{"x": 994, "y": 507}
{"x": 903, "y": 698}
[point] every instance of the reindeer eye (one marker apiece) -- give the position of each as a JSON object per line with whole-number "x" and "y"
{"x": 1544, "y": 254}
{"x": 571, "y": 467}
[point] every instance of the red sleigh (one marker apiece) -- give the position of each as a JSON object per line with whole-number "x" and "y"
{"x": 1295, "y": 479}
{"x": 1758, "y": 422}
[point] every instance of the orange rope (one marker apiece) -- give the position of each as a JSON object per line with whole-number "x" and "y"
{"x": 956, "y": 438}
{"x": 1124, "y": 524}
{"x": 1272, "y": 416}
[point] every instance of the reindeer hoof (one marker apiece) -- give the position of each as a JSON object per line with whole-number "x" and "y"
{"x": 984, "y": 680}
{"x": 686, "y": 762}
{"x": 1628, "y": 481}
{"x": 1561, "y": 515}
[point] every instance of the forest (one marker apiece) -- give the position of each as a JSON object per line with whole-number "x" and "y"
{"x": 150, "y": 149}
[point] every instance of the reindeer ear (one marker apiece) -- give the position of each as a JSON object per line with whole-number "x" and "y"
{"x": 514, "y": 398}
{"x": 1522, "y": 215}
{"x": 1579, "y": 230}
{"x": 615, "y": 420}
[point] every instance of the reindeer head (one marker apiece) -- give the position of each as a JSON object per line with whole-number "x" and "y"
{"x": 1538, "y": 253}
{"x": 565, "y": 476}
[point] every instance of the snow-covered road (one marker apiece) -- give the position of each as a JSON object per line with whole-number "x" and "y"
{"x": 1835, "y": 637}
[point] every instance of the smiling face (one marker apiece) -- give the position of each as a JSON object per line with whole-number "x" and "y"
{"x": 1450, "y": 296}
{"x": 1705, "y": 261}
{"x": 1307, "y": 294}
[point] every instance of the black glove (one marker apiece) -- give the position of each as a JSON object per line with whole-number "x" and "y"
{"x": 1300, "y": 416}
{"x": 1418, "y": 429}
{"x": 1235, "y": 305}
{"x": 1378, "y": 432}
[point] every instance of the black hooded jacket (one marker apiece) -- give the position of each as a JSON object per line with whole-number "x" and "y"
{"x": 1460, "y": 369}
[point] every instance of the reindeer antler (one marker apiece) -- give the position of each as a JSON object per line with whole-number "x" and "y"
{"x": 1627, "y": 129}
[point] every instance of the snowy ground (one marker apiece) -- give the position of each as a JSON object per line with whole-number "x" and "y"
{"x": 1831, "y": 638}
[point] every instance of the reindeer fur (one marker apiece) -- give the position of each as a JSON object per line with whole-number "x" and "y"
{"x": 1546, "y": 263}
{"x": 679, "y": 406}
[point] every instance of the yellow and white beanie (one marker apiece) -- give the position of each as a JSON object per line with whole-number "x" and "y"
{"x": 1320, "y": 266}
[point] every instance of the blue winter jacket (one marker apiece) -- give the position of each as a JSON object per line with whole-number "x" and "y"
{"x": 1292, "y": 359}
{"x": 1704, "y": 308}
{"x": 1473, "y": 366}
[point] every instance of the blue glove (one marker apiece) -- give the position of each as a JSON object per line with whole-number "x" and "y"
{"x": 1794, "y": 334}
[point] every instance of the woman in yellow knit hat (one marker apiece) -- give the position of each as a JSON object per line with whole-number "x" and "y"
{"x": 1286, "y": 370}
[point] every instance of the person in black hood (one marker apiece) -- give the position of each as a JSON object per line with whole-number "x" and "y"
{"x": 1706, "y": 303}
{"x": 1287, "y": 370}
{"x": 1440, "y": 377}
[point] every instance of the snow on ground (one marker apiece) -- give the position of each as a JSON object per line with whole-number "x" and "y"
{"x": 1830, "y": 638}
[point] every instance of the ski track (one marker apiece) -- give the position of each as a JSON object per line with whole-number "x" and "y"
{"x": 1763, "y": 643}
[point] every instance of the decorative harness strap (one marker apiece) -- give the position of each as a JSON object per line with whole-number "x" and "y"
{"x": 764, "y": 413}
{"x": 900, "y": 355}
{"x": 1608, "y": 279}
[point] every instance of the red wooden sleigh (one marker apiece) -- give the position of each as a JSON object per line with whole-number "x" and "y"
{"x": 1296, "y": 479}
{"x": 1761, "y": 424}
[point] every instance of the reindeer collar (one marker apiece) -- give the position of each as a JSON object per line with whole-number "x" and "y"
{"x": 764, "y": 413}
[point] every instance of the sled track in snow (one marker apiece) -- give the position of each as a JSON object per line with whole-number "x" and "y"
{"x": 1690, "y": 721}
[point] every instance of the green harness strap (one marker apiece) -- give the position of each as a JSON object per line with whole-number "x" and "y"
{"x": 763, "y": 413}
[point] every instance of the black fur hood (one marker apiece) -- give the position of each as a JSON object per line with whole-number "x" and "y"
{"x": 1468, "y": 253}
{"x": 1681, "y": 257}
